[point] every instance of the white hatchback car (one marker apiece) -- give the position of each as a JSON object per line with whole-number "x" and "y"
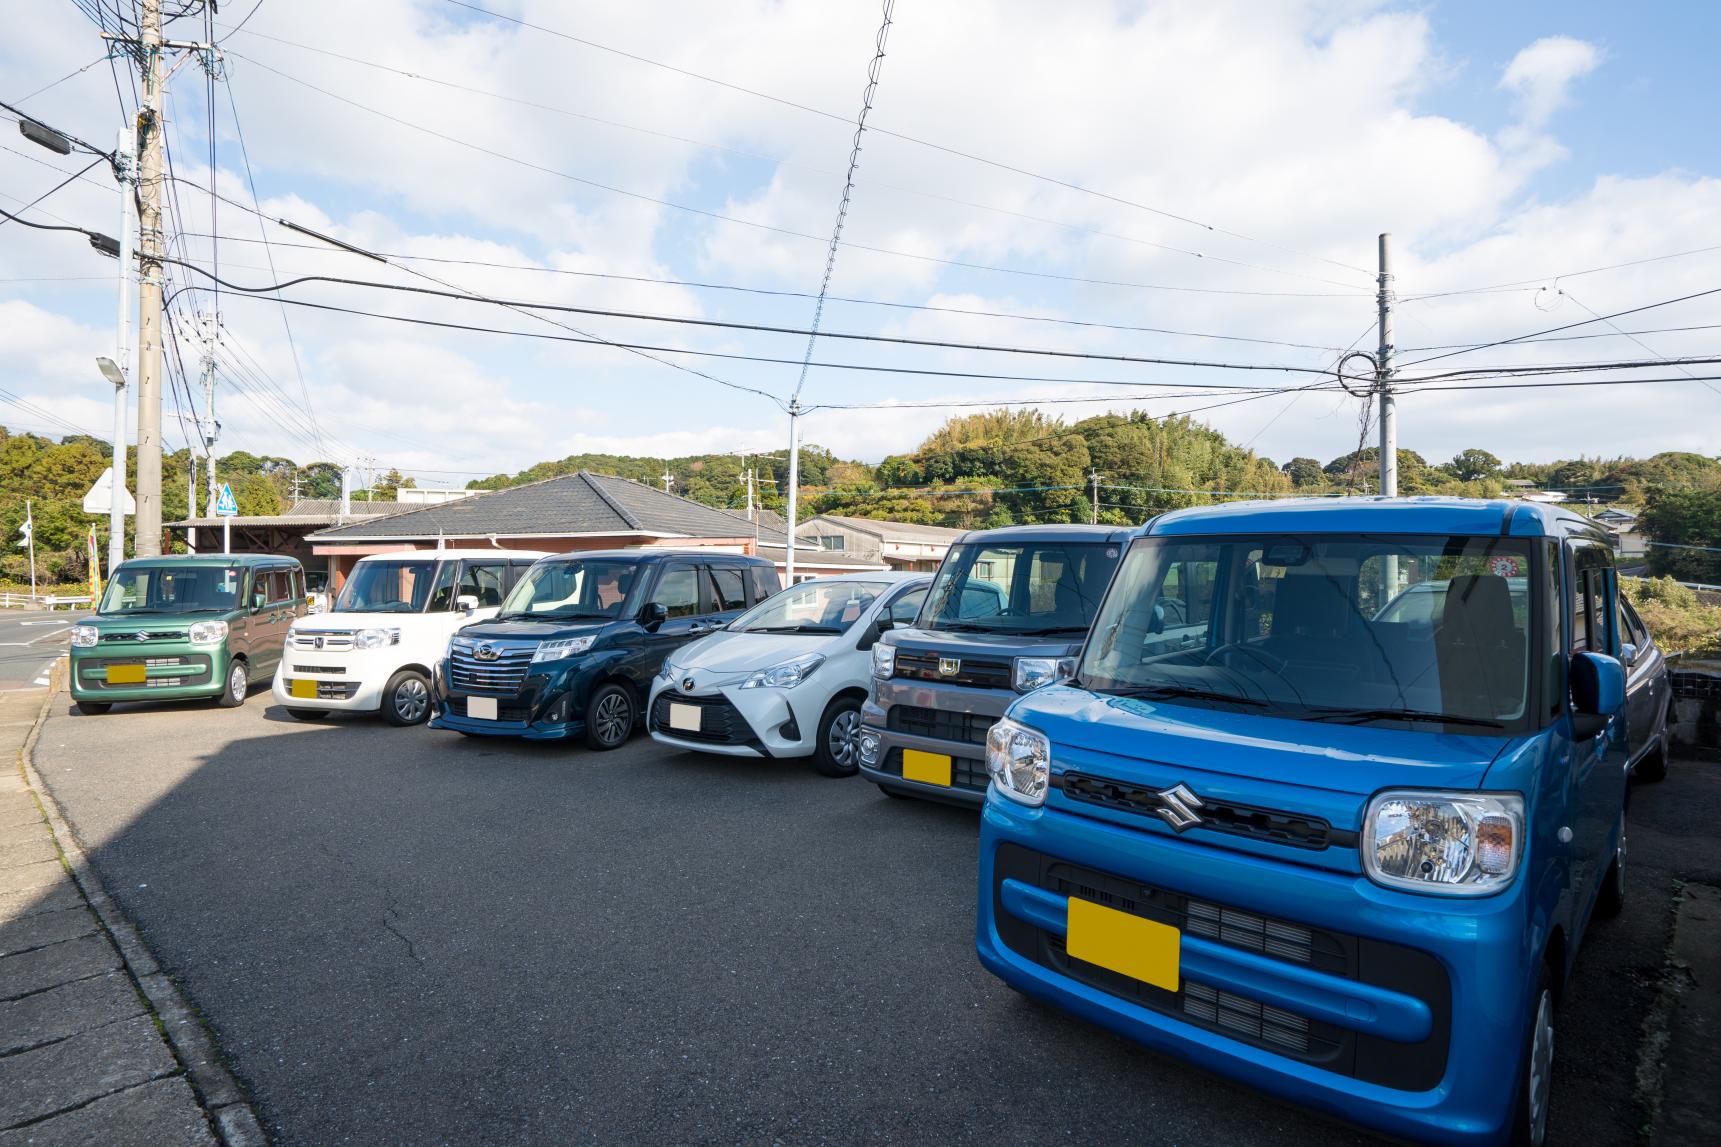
{"x": 786, "y": 678}
{"x": 392, "y": 621}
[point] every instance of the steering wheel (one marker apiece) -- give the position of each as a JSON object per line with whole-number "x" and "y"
{"x": 1223, "y": 654}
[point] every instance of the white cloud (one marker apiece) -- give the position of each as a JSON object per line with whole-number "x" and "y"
{"x": 1542, "y": 74}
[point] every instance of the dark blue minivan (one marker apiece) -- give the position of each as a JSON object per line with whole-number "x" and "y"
{"x": 1333, "y": 795}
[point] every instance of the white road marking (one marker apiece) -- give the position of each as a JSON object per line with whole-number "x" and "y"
{"x": 50, "y": 633}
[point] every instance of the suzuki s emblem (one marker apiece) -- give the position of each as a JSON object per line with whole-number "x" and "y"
{"x": 687, "y": 684}
{"x": 141, "y": 635}
{"x": 486, "y": 653}
{"x": 1177, "y": 805}
{"x": 949, "y": 666}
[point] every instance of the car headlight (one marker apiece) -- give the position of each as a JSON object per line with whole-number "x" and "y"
{"x": 1019, "y": 761}
{"x": 1030, "y": 673}
{"x": 787, "y": 675}
{"x": 1451, "y": 844}
{"x": 85, "y": 636}
{"x": 559, "y": 647}
{"x": 375, "y": 638}
{"x": 208, "y": 632}
{"x": 883, "y": 660}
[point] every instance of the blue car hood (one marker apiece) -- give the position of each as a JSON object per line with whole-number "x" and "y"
{"x": 1245, "y": 755}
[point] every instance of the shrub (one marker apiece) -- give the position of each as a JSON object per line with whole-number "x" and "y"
{"x": 1677, "y": 619}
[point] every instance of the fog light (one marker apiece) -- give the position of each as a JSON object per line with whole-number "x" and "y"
{"x": 869, "y": 748}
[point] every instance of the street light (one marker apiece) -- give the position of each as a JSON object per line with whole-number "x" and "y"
{"x": 44, "y": 135}
{"x": 112, "y": 371}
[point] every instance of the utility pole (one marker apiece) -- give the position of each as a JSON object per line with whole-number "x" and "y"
{"x": 1094, "y": 477}
{"x": 1383, "y": 376}
{"x": 667, "y": 479}
{"x": 125, "y": 171}
{"x": 794, "y": 488}
{"x": 149, "y": 349}
{"x": 209, "y": 428}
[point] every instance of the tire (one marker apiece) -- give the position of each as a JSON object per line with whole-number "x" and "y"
{"x": 93, "y": 708}
{"x": 307, "y": 714}
{"x": 893, "y": 792}
{"x": 838, "y": 751}
{"x": 1530, "y": 1111}
{"x": 406, "y": 698}
{"x": 610, "y": 717}
{"x": 1611, "y": 899}
{"x": 238, "y": 685}
{"x": 1653, "y": 766}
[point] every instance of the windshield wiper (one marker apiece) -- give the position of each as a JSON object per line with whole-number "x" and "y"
{"x": 1341, "y": 715}
{"x": 1046, "y": 631}
{"x": 1181, "y": 691}
{"x": 959, "y": 627}
{"x": 802, "y": 628}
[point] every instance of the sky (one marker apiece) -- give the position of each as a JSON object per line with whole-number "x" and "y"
{"x": 1192, "y": 180}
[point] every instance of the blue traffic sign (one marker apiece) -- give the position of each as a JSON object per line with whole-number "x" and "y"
{"x": 225, "y": 505}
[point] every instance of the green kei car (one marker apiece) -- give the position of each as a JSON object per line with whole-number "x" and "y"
{"x": 178, "y": 627}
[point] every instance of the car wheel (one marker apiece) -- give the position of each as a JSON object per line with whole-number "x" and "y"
{"x": 93, "y": 708}
{"x": 238, "y": 685}
{"x": 307, "y": 714}
{"x": 894, "y": 792}
{"x": 1611, "y": 898}
{"x": 1530, "y": 1113}
{"x": 838, "y": 751}
{"x": 1653, "y": 767}
{"x": 609, "y": 717}
{"x": 406, "y": 698}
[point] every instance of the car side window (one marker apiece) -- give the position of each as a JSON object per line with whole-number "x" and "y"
{"x": 729, "y": 588}
{"x": 482, "y": 580}
{"x": 906, "y": 608}
{"x": 763, "y": 582}
{"x": 516, "y": 570}
{"x": 1634, "y": 630}
{"x": 678, "y": 591}
{"x": 280, "y": 587}
{"x": 1593, "y": 620}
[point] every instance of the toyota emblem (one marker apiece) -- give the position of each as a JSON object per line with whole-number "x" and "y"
{"x": 486, "y": 652}
{"x": 687, "y": 684}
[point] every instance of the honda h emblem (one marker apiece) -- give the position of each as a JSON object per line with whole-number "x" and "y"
{"x": 949, "y": 666}
{"x": 317, "y": 642}
{"x": 1177, "y": 805}
{"x": 486, "y": 653}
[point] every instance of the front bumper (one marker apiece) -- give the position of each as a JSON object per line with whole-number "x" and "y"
{"x": 171, "y": 672}
{"x": 350, "y": 681}
{"x": 737, "y": 722}
{"x": 945, "y": 720}
{"x": 550, "y": 704}
{"x": 1406, "y": 1016}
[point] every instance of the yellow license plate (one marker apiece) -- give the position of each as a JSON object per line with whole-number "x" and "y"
{"x": 127, "y": 675}
{"x": 303, "y": 687}
{"x": 1144, "y": 950}
{"x": 927, "y": 768}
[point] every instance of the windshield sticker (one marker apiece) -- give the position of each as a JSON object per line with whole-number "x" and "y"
{"x": 1505, "y": 565}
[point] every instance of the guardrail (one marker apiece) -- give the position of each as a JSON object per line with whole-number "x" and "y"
{"x": 42, "y": 601}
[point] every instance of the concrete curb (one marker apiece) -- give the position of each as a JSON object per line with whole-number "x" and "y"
{"x": 229, "y": 1110}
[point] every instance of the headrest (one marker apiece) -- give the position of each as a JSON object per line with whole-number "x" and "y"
{"x": 1482, "y": 602}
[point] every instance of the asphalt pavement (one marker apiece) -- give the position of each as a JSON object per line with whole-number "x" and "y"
{"x": 409, "y": 936}
{"x": 30, "y": 641}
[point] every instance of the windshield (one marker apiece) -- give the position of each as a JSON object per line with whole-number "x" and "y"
{"x": 1340, "y": 628}
{"x": 172, "y": 589}
{"x": 812, "y": 607}
{"x": 400, "y": 585}
{"x": 593, "y": 588}
{"x": 1024, "y": 588}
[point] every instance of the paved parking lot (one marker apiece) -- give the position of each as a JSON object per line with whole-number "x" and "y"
{"x": 407, "y": 936}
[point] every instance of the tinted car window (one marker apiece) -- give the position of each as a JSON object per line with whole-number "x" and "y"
{"x": 763, "y": 581}
{"x": 904, "y": 609}
{"x": 730, "y": 587}
{"x": 678, "y": 591}
{"x": 482, "y": 580}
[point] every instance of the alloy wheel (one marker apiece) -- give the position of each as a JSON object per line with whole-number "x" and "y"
{"x": 842, "y": 742}
{"x": 612, "y": 718}
{"x": 1541, "y": 1067}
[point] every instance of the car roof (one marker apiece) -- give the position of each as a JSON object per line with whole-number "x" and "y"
{"x": 211, "y": 560}
{"x": 639, "y": 555}
{"x": 1433, "y": 514}
{"x": 453, "y": 552}
{"x": 1055, "y": 532}
{"x": 893, "y": 577}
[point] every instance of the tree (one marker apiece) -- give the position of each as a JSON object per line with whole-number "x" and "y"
{"x": 1685, "y": 531}
{"x": 1471, "y": 465}
{"x": 1304, "y": 472}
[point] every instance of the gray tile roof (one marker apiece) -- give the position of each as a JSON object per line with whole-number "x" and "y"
{"x": 307, "y": 512}
{"x": 569, "y": 504}
{"x": 895, "y": 531}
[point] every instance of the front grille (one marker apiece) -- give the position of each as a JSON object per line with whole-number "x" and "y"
{"x": 516, "y": 712}
{"x": 143, "y": 635}
{"x": 1413, "y": 1067}
{"x": 327, "y": 690}
{"x": 1257, "y": 1022}
{"x": 164, "y": 672}
{"x": 965, "y": 772}
{"x": 1294, "y": 829}
{"x": 942, "y": 724}
{"x": 720, "y": 722}
{"x": 330, "y": 670}
{"x": 504, "y": 675}
{"x": 980, "y": 672}
{"x": 323, "y": 640}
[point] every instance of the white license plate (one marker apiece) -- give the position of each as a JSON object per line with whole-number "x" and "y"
{"x": 684, "y": 717}
{"x": 481, "y": 708}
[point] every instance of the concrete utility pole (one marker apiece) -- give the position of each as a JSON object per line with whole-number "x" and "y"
{"x": 149, "y": 349}
{"x": 667, "y": 479}
{"x": 794, "y": 487}
{"x": 125, "y": 171}
{"x": 211, "y": 429}
{"x": 1094, "y": 477}
{"x": 1383, "y": 372}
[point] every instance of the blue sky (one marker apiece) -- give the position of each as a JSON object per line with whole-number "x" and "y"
{"x": 1500, "y": 144}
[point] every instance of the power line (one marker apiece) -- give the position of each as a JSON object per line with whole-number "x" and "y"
{"x": 1637, "y": 341}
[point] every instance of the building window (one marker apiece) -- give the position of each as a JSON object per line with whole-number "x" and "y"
{"x": 831, "y": 542}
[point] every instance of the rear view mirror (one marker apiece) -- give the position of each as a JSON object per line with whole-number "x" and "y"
{"x": 1598, "y": 692}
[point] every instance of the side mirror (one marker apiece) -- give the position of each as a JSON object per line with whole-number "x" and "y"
{"x": 466, "y": 603}
{"x": 258, "y": 601}
{"x": 1628, "y": 654}
{"x": 654, "y": 614}
{"x": 1157, "y": 625}
{"x": 885, "y": 622}
{"x": 1598, "y": 692}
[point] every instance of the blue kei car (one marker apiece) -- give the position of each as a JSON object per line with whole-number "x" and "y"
{"x": 1340, "y": 851}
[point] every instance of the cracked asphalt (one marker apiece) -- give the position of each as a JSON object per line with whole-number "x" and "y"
{"x": 409, "y": 936}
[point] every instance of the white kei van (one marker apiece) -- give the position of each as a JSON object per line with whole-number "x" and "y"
{"x": 391, "y": 623}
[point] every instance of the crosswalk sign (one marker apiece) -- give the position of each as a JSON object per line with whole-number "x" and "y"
{"x": 225, "y": 505}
